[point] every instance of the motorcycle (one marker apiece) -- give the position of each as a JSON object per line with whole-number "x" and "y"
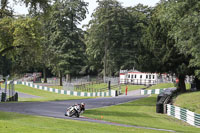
{"x": 75, "y": 110}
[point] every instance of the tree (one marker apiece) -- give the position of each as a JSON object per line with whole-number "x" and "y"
{"x": 4, "y": 9}
{"x": 20, "y": 37}
{"x": 140, "y": 16}
{"x": 108, "y": 34}
{"x": 164, "y": 56}
{"x": 35, "y": 6}
{"x": 20, "y": 41}
{"x": 65, "y": 38}
{"x": 185, "y": 18}
{"x": 27, "y": 33}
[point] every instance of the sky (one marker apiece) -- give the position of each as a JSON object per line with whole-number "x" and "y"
{"x": 92, "y": 5}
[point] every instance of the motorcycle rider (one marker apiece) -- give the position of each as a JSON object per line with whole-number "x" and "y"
{"x": 82, "y": 106}
{"x": 79, "y": 108}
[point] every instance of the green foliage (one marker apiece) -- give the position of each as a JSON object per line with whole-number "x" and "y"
{"x": 112, "y": 36}
{"x": 21, "y": 37}
{"x": 101, "y": 38}
{"x": 162, "y": 54}
{"x": 36, "y": 5}
{"x": 28, "y": 35}
{"x": 5, "y": 66}
{"x": 6, "y": 33}
{"x": 64, "y": 38}
{"x": 20, "y": 41}
{"x": 5, "y": 10}
{"x": 185, "y": 18}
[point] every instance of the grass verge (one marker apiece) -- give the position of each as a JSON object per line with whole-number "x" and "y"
{"x": 56, "y": 87}
{"x": 45, "y": 95}
{"x": 189, "y": 101}
{"x": 97, "y": 87}
{"x": 18, "y": 123}
{"x": 161, "y": 85}
{"x": 166, "y": 85}
{"x": 141, "y": 113}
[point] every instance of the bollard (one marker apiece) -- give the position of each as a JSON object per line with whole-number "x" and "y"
{"x": 109, "y": 86}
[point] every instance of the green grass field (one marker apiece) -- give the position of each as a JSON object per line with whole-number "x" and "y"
{"x": 97, "y": 87}
{"x": 18, "y": 123}
{"x": 161, "y": 85}
{"x": 142, "y": 113}
{"x": 86, "y": 88}
{"x": 189, "y": 101}
{"x": 166, "y": 85}
{"x": 56, "y": 87}
{"x": 45, "y": 95}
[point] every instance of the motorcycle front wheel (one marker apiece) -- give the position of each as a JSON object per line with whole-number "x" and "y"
{"x": 71, "y": 113}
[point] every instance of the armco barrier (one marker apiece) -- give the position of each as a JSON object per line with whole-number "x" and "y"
{"x": 184, "y": 114}
{"x": 154, "y": 91}
{"x": 68, "y": 92}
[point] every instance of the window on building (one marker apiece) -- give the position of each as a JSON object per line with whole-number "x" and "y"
{"x": 146, "y": 76}
{"x": 132, "y": 76}
{"x": 149, "y": 76}
{"x": 135, "y": 76}
{"x": 153, "y": 76}
{"x": 129, "y": 76}
{"x": 141, "y": 76}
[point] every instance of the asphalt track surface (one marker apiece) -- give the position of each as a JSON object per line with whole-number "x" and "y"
{"x": 57, "y": 109}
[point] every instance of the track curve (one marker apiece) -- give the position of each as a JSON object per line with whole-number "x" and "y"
{"x": 56, "y": 109}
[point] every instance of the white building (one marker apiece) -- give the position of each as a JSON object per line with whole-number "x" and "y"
{"x": 141, "y": 78}
{"x": 145, "y": 78}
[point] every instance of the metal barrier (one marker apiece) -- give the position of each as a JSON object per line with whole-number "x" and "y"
{"x": 69, "y": 92}
{"x": 164, "y": 107}
{"x": 184, "y": 115}
{"x": 153, "y": 91}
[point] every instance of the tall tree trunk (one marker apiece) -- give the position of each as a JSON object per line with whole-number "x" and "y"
{"x": 106, "y": 52}
{"x": 45, "y": 74}
{"x": 105, "y": 63}
{"x": 181, "y": 83}
{"x": 68, "y": 78}
{"x": 60, "y": 74}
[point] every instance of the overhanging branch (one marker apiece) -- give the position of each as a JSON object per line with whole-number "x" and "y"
{"x": 10, "y": 48}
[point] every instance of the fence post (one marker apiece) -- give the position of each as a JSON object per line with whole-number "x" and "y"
{"x": 109, "y": 85}
{"x": 119, "y": 89}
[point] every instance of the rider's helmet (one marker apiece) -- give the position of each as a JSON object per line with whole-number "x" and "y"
{"x": 83, "y": 105}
